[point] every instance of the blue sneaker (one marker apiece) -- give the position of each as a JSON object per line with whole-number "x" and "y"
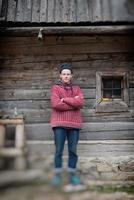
{"x": 56, "y": 181}
{"x": 74, "y": 179}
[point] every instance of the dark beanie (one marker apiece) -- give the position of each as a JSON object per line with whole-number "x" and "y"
{"x": 66, "y": 66}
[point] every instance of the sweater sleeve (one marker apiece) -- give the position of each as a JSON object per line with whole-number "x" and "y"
{"x": 77, "y": 101}
{"x": 56, "y": 102}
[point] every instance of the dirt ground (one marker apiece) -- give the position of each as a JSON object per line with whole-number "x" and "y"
{"x": 45, "y": 191}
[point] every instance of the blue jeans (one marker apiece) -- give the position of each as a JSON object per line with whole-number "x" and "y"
{"x": 60, "y": 135}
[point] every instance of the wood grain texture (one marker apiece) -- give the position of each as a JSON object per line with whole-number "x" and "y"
{"x": 82, "y": 11}
{"x": 11, "y": 11}
{"x": 65, "y": 11}
{"x": 51, "y": 11}
{"x": 20, "y": 11}
{"x": 35, "y": 10}
{"x": 28, "y": 69}
{"x": 91, "y": 131}
{"x": 43, "y": 10}
{"x": 28, "y": 11}
{"x": 74, "y": 11}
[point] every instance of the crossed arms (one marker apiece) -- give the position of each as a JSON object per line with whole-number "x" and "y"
{"x": 66, "y": 103}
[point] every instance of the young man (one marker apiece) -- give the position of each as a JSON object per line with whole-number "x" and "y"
{"x": 66, "y": 102}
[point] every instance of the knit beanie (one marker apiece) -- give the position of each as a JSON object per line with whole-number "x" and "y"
{"x": 66, "y": 66}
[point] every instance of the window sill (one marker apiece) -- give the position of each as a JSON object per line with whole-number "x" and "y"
{"x": 116, "y": 105}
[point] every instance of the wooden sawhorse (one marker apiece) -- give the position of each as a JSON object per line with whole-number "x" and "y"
{"x": 19, "y": 151}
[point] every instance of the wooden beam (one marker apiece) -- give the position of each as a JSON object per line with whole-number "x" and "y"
{"x": 20, "y": 139}
{"x": 11, "y": 121}
{"x": 2, "y": 135}
{"x": 12, "y": 152}
{"x": 51, "y": 142}
{"x": 67, "y": 30}
{"x": 2, "y": 143}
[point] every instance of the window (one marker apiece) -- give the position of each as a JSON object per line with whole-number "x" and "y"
{"x": 112, "y": 87}
{"x": 112, "y": 92}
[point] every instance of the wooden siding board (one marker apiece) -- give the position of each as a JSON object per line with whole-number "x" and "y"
{"x": 89, "y": 131}
{"x": 23, "y": 94}
{"x": 36, "y": 11}
{"x": 106, "y": 11}
{"x": 43, "y": 115}
{"x": 36, "y": 94}
{"x": 97, "y": 12}
{"x": 24, "y": 104}
{"x": 73, "y": 10}
{"x": 28, "y": 11}
{"x": 65, "y": 11}
{"x": 82, "y": 11}
{"x": 58, "y": 11}
{"x": 43, "y": 10}
{"x": 127, "y": 57}
{"x": 121, "y": 10}
{"x": 51, "y": 11}
{"x": 38, "y": 115}
{"x": 20, "y": 11}
{"x": 90, "y": 10}
{"x": 129, "y": 5}
{"x": 11, "y": 12}
{"x": 89, "y": 150}
{"x": 85, "y": 48}
{"x": 35, "y": 104}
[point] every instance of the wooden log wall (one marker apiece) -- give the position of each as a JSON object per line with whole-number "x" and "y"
{"x": 28, "y": 68}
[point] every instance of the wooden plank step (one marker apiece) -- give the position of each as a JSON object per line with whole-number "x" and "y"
{"x": 90, "y": 131}
{"x": 85, "y": 148}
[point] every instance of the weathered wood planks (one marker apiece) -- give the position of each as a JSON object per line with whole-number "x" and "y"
{"x": 82, "y": 11}
{"x": 43, "y": 10}
{"x": 36, "y": 11}
{"x": 28, "y": 10}
{"x": 91, "y": 130}
{"x": 63, "y": 11}
{"x": 29, "y": 68}
{"x": 11, "y": 11}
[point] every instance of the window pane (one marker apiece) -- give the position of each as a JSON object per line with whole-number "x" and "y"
{"x": 107, "y": 83}
{"x": 117, "y": 83}
{"x": 117, "y": 93}
{"x": 107, "y": 93}
{"x": 111, "y": 87}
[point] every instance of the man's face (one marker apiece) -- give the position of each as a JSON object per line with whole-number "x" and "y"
{"x": 66, "y": 75}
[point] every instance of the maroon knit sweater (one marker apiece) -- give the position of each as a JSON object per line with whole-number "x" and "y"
{"x": 66, "y": 104}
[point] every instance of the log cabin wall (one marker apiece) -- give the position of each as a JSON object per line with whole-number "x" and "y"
{"x": 29, "y": 67}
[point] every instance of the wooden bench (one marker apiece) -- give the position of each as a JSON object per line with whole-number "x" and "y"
{"x": 19, "y": 150}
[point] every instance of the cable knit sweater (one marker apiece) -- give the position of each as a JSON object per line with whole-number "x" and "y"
{"x": 66, "y": 104}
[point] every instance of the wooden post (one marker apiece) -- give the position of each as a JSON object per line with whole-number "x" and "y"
{"x": 20, "y": 141}
{"x": 2, "y": 142}
{"x": 20, "y": 136}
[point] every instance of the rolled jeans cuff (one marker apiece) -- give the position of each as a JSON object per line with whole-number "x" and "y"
{"x": 69, "y": 169}
{"x": 58, "y": 170}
